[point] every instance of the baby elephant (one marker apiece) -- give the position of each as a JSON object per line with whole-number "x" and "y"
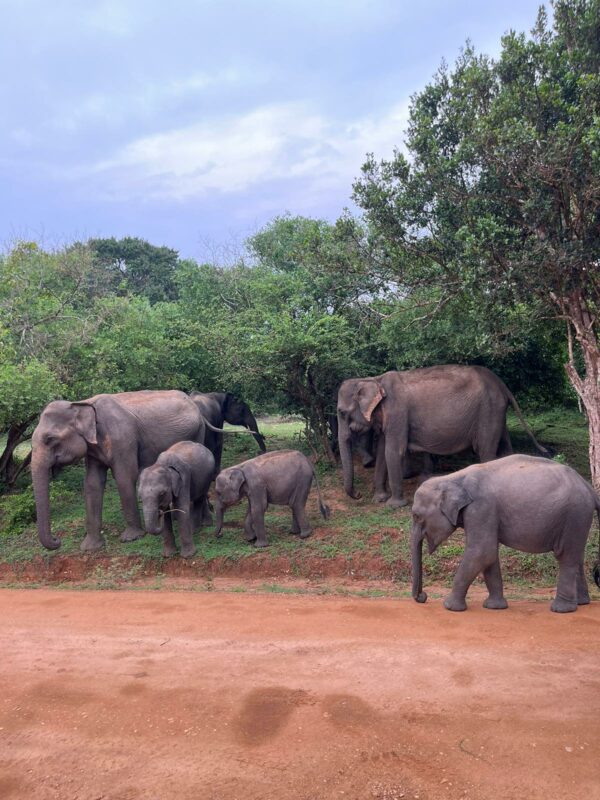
{"x": 282, "y": 477}
{"x": 531, "y": 504}
{"x": 177, "y": 483}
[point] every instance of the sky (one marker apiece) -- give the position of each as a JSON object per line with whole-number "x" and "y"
{"x": 192, "y": 123}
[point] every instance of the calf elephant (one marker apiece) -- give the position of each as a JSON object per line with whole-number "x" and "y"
{"x": 220, "y": 407}
{"x": 122, "y": 432}
{"x": 283, "y": 477}
{"x": 438, "y": 410}
{"x": 177, "y": 483}
{"x": 531, "y": 504}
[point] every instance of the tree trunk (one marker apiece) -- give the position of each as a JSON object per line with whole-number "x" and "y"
{"x": 575, "y": 309}
{"x": 9, "y": 469}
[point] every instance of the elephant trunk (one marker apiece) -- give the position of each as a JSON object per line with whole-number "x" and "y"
{"x": 40, "y": 473}
{"x": 153, "y": 523}
{"x": 345, "y": 445}
{"x": 252, "y": 425}
{"x": 416, "y": 543}
{"x": 218, "y": 517}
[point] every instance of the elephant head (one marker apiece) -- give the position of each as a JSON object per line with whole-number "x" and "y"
{"x": 358, "y": 399}
{"x": 158, "y": 487}
{"x": 229, "y": 488}
{"x": 236, "y": 412}
{"x": 436, "y": 511}
{"x": 63, "y": 435}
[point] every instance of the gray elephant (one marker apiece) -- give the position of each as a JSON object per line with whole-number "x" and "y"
{"x": 220, "y": 407}
{"x": 438, "y": 410}
{"x": 177, "y": 483}
{"x": 122, "y": 432}
{"x": 531, "y": 504}
{"x": 283, "y": 477}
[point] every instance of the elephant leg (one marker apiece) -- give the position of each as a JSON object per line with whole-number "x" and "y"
{"x": 202, "y": 508}
{"x": 248, "y": 529}
{"x": 505, "y": 446}
{"x": 583, "y": 595}
{"x": 95, "y": 481}
{"x": 299, "y": 511}
{"x": 295, "y": 523}
{"x": 125, "y": 473}
{"x": 394, "y": 458}
{"x": 427, "y": 470}
{"x": 185, "y": 524}
{"x": 169, "y": 546}
{"x": 380, "y": 478}
{"x": 258, "y": 506}
{"x": 492, "y": 576}
{"x": 566, "y": 589}
{"x": 477, "y": 558}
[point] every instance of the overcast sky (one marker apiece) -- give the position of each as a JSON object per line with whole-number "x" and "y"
{"x": 191, "y": 123}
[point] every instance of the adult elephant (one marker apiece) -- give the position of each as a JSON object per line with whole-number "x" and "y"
{"x": 220, "y": 407}
{"x": 439, "y": 410}
{"x": 122, "y": 432}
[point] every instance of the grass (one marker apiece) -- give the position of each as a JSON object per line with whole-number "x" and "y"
{"x": 359, "y": 540}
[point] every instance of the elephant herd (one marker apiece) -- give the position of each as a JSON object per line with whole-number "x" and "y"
{"x": 166, "y": 446}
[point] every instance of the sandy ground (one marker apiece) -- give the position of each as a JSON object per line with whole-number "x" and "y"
{"x": 127, "y": 695}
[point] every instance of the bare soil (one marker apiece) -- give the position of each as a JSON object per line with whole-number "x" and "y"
{"x": 215, "y": 696}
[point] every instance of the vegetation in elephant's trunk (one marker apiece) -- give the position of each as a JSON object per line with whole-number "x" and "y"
{"x": 40, "y": 472}
{"x": 416, "y": 545}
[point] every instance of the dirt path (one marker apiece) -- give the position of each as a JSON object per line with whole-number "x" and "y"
{"x": 214, "y": 696}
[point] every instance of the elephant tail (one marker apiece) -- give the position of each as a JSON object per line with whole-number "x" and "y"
{"x": 596, "y": 569}
{"x": 323, "y": 507}
{"x": 543, "y": 451}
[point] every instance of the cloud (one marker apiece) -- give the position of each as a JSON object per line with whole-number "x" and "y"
{"x": 277, "y": 142}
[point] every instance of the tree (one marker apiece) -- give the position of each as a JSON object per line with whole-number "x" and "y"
{"x": 137, "y": 267}
{"x": 499, "y": 194}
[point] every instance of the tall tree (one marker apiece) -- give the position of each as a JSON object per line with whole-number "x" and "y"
{"x": 134, "y": 266}
{"x": 499, "y": 191}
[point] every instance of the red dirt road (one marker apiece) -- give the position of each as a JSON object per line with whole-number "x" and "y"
{"x": 215, "y": 696}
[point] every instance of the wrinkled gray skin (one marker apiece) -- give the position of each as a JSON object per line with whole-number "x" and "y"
{"x": 283, "y": 477}
{"x": 122, "y": 432}
{"x": 531, "y": 504}
{"x": 177, "y": 483}
{"x": 438, "y": 410}
{"x": 220, "y": 407}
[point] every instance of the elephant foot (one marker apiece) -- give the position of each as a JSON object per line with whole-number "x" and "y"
{"x": 455, "y": 605}
{"x": 561, "y": 606}
{"x": 396, "y": 502}
{"x": 261, "y": 543}
{"x": 188, "y": 552}
{"x": 421, "y": 597}
{"x": 169, "y": 551}
{"x": 583, "y": 601}
{"x": 130, "y": 534}
{"x": 92, "y": 543}
{"x": 380, "y": 497}
{"x": 496, "y": 602}
{"x": 306, "y": 534}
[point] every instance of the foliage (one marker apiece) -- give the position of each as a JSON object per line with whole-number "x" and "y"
{"x": 134, "y": 266}
{"x": 498, "y": 197}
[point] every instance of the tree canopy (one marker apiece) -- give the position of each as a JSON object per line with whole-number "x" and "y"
{"x": 497, "y": 195}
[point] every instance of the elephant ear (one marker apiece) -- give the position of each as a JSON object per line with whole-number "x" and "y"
{"x": 454, "y": 497}
{"x": 85, "y": 421}
{"x": 176, "y": 481}
{"x": 236, "y": 479}
{"x": 369, "y": 395}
